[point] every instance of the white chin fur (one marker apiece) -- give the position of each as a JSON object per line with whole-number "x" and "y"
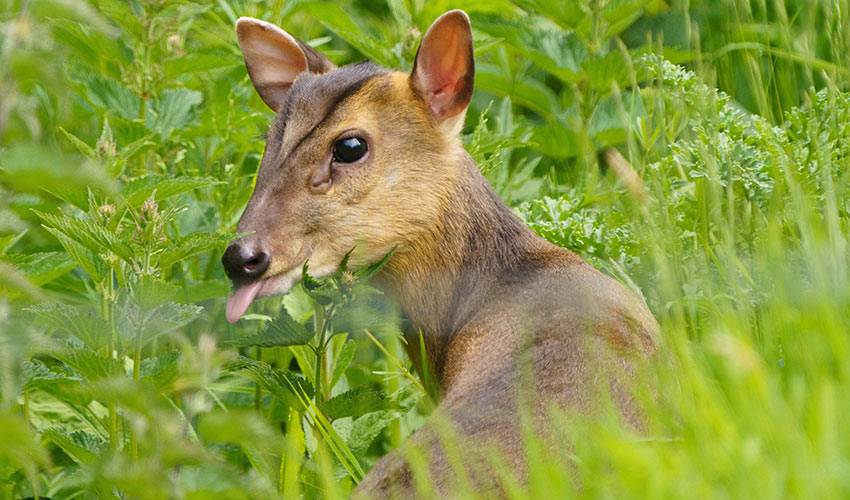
{"x": 283, "y": 282}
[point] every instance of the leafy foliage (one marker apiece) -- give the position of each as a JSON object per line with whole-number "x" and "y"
{"x": 128, "y": 149}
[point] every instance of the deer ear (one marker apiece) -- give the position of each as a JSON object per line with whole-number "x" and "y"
{"x": 444, "y": 70}
{"x": 274, "y": 59}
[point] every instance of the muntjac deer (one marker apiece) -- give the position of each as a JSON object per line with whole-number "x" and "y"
{"x": 367, "y": 158}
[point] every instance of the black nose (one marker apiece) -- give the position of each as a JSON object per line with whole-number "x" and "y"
{"x": 244, "y": 264}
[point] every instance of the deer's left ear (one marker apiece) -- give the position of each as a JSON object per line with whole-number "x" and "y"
{"x": 444, "y": 70}
{"x": 275, "y": 58}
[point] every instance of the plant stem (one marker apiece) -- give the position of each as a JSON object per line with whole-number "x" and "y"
{"x": 27, "y": 407}
{"x": 319, "y": 323}
{"x": 137, "y": 360}
{"x": 392, "y": 387}
{"x": 137, "y": 354}
{"x": 109, "y": 315}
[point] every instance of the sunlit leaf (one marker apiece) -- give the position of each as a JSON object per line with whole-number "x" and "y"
{"x": 355, "y": 402}
{"x": 280, "y": 332}
{"x": 79, "y": 321}
{"x": 161, "y": 370}
{"x": 173, "y": 109}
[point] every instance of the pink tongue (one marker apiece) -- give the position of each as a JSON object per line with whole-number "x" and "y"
{"x": 238, "y": 303}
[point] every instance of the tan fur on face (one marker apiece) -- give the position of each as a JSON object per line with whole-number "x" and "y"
{"x": 392, "y": 200}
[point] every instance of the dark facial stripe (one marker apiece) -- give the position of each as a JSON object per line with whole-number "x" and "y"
{"x": 351, "y": 90}
{"x": 330, "y": 89}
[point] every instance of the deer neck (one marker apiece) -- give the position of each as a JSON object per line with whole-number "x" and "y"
{"x": 445, "y": 275}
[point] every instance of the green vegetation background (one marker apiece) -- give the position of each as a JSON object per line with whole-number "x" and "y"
{"x": 717, "y": 190}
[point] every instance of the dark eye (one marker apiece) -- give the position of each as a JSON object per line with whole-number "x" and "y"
{"x": 350, "y": 149}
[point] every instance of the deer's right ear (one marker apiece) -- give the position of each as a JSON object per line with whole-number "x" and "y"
{"x": 274, "y": 59}
{"x": 444, "y": 70}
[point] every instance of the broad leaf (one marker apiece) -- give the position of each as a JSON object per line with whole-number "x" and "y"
{"x": 88, "y": 363}
{"x": 162, "y": 187}
{"x": 367, "y": 272}
{"x": 354, "y": 403}
{"x": 90, "y": 235}
{"x": 39, "y": 376}
{"x": 285, "y": 387}
{"x": 148, "y": 292}
{"x": 42, "y": 267}
{"x": 161, "y": 370}
{"x": 79, "y": 321}
{"x": 173, "y": 109}
{"x": 91, "y": 263}
{"x": 191, "y": 245}
{"x": 338, "y": 21}
{"x": 282, "y": 331}
{"x": 171, "y": 316}
{"x": 106, "y": 94}
{"x": 83, "y": 447}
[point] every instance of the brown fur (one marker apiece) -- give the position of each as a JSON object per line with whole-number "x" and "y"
{"x": 489, "y": 296}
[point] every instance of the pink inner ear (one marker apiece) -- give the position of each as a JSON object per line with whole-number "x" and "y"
{"x": 275, "y": 62}
{"x": 441, "y": 98}
{"x": 273, "y": 59}
{"x": 443, "y": 63}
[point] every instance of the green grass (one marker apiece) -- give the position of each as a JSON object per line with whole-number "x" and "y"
{"x": 129, "y": 139}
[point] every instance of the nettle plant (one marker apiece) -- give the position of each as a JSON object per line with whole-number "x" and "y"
{"x": 343, "y": 420}
{"x": 109, "y": 367}
{"x": 129, "y": 381}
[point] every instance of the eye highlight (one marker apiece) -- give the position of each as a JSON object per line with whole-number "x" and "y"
{"x": 349, "y": 149}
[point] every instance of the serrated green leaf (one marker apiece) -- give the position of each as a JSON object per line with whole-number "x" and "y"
{"x": 88, "y": 363}
{"x": 283, "y": 386}
{"x": 148, "y": 292}
{"x": 60, "y": 385}
{"x": 172, "y": 316}
{"x": 105, "y": 94}
{"x": 91, "y": 236}
{"x": 39, "y": 376}
{"x": 191, "y": 245}
{"x": 173, "y": 109}
{"x": 280, "y": 332}
{"x": 337, "y": 20}
{"x": 42, "y": 267}
{"x": 355, "y": 403}
{"x": 367, "y": 272}
{"x": 161, "y": 370}
{"x": 196, "y": 62}
{"x": 561, "y": 53}
{"x": 90, "y": 263}
{"x": 365, "y": 429}
{"x": 83, "y": 447}
{"x": 79, "y": 321}
{"x": 308, "y": 282}
{"x": 343, "y": 265}
{"x": 162, "y": 187}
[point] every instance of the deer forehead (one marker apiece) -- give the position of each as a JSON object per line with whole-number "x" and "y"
{"x": 357, "y": 96}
